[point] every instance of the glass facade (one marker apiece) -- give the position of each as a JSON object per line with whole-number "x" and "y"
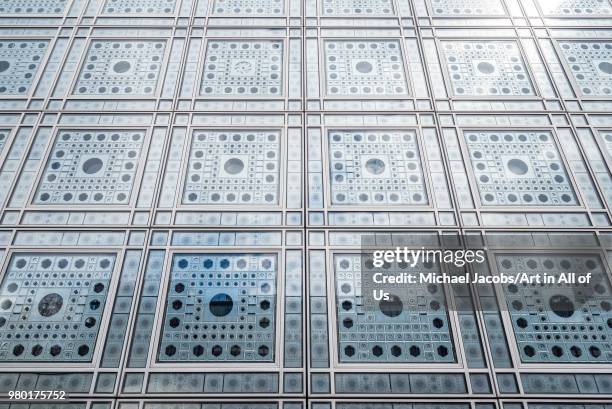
{"x": 186, "y": 186}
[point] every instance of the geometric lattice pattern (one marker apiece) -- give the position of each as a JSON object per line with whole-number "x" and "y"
{"x": 375, "y": 168}
{"x": 410, "y": 326}
{"x": 519, "y": 169}
{"x": 91, "y": 167}
{"x": 51, "y": 305}
{"x": 467, "y": 8}
{"x": 249, "y": 7}
{"x": 19, "y": 63}
{"x": 559, "y": 322}
{"x": 220, "y": 307}
{"x": 33, "y": 6}
{"x": 121, "y": 67}
{"x": 590, "y": 64}
{"x": 486, "y": 68}
{"x": 357, "y": 7}
{"x": 139, "y": 6}
{"x": 243, "y": 68}
{"x": 233, "y": 167}
{"x": 575, "y": 8}
{"x": 364, "y": 67}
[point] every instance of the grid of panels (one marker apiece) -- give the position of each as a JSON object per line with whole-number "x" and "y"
{"x": 19, "y": 63}
{"x": 559, "y": 323}
{"x": 375, "y": 168}
{"x": 139, "y": 6}
{"x": 364, "y": 68}
{"x": 121, "y": 67}
{"x": 524, "y": 169}
{"x": 411, "y": 326}
{"x": 405, "y": 172}
{"x": 97, "y": 166}
{"x": 486, "y": 68}
{"x": 472, "y": 8}
{"x": 357, "y": 8}
{"x": 590, "y": 66}
{"x": 33, "y": 6}
{"x": 233, "y": 168}
{"x": 242, "y": 68}
{"x": 575, "y": 7}
{"x": 52, "y": 306}
{"x": 250, "y": 7}
{"x": 228, "y": 316}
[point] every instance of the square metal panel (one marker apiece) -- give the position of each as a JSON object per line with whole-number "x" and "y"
{"x": 364, "y": 68}
{"x": 33, "y": 6}
{"x": 590, "y": 64}
{"x": 52, "y": 304}
{"x": 575, "y": 8}
{"x": 486, "y": 68}
{"x": 19, "y": 63}
{"x": 412, "y": 326}
{"x": 121, "y": 67}
{"x": 139, "y": 7}
{"x": 220, "y": 307}
{"x": 243, "y": 68}
{"x": 559, "y": 322}
{"x": 233, "y": 167}
{"x": 249, "y": 7}
{"x": 514, "y": 168}
{"x": 464, "y": 8}
{"x": 91, "y": 167}
{"x": 375, "y": 168}
{"x": 356, "y": 8}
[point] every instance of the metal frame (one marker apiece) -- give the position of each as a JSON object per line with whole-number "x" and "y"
{"x": 151, "y": 228}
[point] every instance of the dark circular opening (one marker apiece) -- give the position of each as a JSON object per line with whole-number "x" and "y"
{"x": 221, "y": 305}
{"x": 364, "y": 67}
{"x": 122, "y": 67}
{"x": 517, "y": 166}
{"x": 561, "y": 305}
{"x": 603, "y": 66}
{"x": 233, "y": 166}
{"x": 375, "y": 166}
{"x": 50, "y": 304}
{"x": 92, "y": 165}
{"x": 391, "y": 307}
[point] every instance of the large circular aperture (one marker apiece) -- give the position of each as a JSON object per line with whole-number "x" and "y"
{"x": 391, "y": 307}
{"x": 50, "y": 304}
{"x": 221, "y": 305}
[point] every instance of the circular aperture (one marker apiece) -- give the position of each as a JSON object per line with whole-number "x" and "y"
{"x": 233, "y": 166}
{"x": 4, "y": 65}
{"x": 50, "y": 304}
{"x": 486, "y": 67}
{"x": 375, "y": 166}
{"x": 364, "y": 67}
{"x": 391, "y": 307}
{"x": 517, "y": 166}
{"x": 561, "y": 305}
{"x": 92, "y": 165}
{"x": 221, "y": 305}
{"x": 603, "y": 66}
{"x": 122, "y": 67}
